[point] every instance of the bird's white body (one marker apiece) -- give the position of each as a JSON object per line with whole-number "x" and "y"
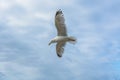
{"x": 62, "y": 37}
{"x": 59, "y": 38}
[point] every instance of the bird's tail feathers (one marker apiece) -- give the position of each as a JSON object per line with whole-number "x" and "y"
{"x": 72, "y": 40}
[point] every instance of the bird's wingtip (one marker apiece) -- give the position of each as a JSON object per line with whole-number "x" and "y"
{"x": 59, "y": 55}
{"x": 59, "y": 9}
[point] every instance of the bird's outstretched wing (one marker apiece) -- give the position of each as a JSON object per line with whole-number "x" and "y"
{"x": 60, "y": 48}
{"x": 60, "y": 23}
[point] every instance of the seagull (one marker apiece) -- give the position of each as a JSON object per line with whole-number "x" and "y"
{"x": 62, "y": 38}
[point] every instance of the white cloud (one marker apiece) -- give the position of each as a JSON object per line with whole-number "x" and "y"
{"x": 5, "y": 5}
{"x": 27, "y": 31}
{"x": 42, "y": 16}
{"x": 15, "y": 71}
{"x": 16, "y": 22}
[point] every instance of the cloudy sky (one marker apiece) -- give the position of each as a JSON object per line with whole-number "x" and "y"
{"x": 27, "y": 26}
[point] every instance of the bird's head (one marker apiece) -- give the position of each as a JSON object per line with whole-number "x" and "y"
{"x": 52, "y": 41}
{"x": 59, "y": 12}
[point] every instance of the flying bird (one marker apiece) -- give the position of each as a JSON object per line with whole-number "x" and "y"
{"x": 62, "y": 36}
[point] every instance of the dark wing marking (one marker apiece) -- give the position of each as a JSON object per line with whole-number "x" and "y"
{"x": 60, "y": 48}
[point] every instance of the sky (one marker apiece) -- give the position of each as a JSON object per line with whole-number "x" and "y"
{"x": 27, "y": 26}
